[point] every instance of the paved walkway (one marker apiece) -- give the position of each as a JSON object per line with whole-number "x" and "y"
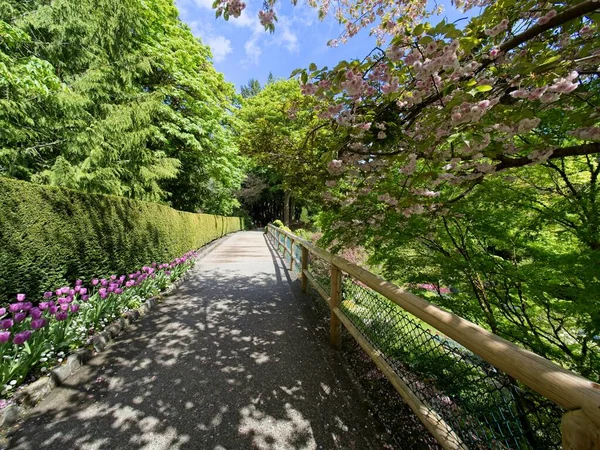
{"x": 230, "y": 360}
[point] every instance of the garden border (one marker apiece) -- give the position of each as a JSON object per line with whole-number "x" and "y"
{"x": 30, "y": 395}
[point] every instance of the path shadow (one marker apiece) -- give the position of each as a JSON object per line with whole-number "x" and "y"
{"x": 227, "y": 362}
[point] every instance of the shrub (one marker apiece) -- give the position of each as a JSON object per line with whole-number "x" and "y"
{"x": 279, "y": 224}
{"x": 52, "y": 236}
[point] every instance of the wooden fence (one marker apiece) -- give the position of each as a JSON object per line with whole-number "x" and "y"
{"x": 580, "y": 397}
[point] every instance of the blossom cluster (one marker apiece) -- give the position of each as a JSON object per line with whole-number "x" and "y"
{"x": 232, "y": 7}
{"x": 266, "y": 18}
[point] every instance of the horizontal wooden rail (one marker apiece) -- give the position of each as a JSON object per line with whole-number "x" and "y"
{"x": 566, "y": 389}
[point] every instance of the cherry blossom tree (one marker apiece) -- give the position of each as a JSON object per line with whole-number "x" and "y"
{"x": 447, "y": 105}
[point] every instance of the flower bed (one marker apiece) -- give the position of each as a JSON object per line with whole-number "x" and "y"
{"x": 35, "y": 337}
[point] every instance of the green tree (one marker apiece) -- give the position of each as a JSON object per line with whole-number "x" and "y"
{"x": 116, "y": 97}
{"x": 518, "y": 255}
{"x": 276, "y": 133}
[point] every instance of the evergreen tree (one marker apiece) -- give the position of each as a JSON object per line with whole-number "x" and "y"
{"x": 115, "y": 97}
{"x": 251, "y": 89}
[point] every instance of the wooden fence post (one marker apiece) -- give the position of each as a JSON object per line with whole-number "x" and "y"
{"x": 291, "y": 254}
{"x": 334, "y": 302}
{"x": 579, "y": 432}
{"x": 304, "y": 268}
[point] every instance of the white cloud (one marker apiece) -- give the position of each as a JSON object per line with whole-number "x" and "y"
{"x": 253, "y": 51}
{"x": 288, "y": 38}
{"x": 220, "y": 47}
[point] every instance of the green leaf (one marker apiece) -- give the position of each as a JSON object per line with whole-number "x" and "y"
{"x": 548, "y": 64}
{"x": 312, "y": 67}
{"x": 425, "y": 40}
{"x": 483, "y": 88}
{"x": 295, "y": 72}
{"x": 453, "y": 137}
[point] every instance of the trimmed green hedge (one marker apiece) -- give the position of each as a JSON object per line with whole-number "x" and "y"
{"x": 49, "y": 236}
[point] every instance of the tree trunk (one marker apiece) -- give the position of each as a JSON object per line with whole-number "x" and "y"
{"x": 293, "y": 209}
{"x": 286, "y": 208}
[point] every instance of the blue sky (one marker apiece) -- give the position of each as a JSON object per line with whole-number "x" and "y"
{"x": 243, "y": 50}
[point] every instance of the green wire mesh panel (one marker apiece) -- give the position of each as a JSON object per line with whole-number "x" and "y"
{"x": 484, "y": 406}
{"x": 297, "y": 252}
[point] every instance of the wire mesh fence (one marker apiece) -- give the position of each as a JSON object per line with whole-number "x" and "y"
{"x": 486, "y": 408}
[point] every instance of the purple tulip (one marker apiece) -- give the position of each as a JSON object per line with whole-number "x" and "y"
{"x": 167, "y": 273}
{"x": 74, "y": 307}
{"x": 71, "y": 292}
{"x": 35, "y": 313}
{"x": 26, "y": 306}
{"x": 83, "y": 291}
{"x": 129, "y": 284}
{"x": 58, "y": 292}
{"x": 153, "y": 264}
{"x": 95, "y": 282}
{"x": 61, "y": 315}
{"x": 64, "y": 307}
{"x": 43, "y": 306}
{"x": 6, "y": 324}
{"x": 20, "y": 297}
{"x": 47, "y": 294}
{"x": 21, "y": 337}
{"x": 78, "y": 283}
{"x": 4, "y": 337}
{"x": 85, "y": 298}
{"x": 2, "y": 311}
{"x": 20, "y": 317}
{"x": 62, "y": 300}
{"x": 118, "y": 291}
{"x": 53, "y": 309}
{"x": 122, "y": 278}
{"x": 65, "y": 289}
{"x": 102, "y": 292}
{"x": 77, "y": 289}
{"x": 69, "y": 299}
{"x": 14, "y": 307}
{"x": 113, "y": 277}
{"x": 103, "y": 282}
{"x": 38, "y": 323}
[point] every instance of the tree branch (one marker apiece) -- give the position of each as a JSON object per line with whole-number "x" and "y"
{"x": 575, "y": 150}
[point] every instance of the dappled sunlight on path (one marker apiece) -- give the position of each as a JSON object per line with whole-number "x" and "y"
{"x": 229, "y": 361}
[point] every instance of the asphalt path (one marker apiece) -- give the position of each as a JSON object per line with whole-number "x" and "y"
{"x": 230, "y": 360}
